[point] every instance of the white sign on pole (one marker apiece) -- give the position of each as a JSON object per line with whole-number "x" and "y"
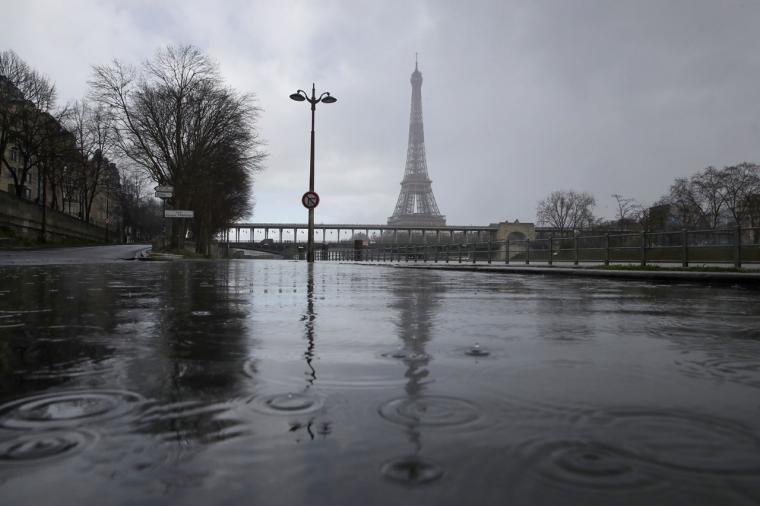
{"x": 164, "y": 195}
{"x": 164, "y": 188}
{"x": 177, "y": 213}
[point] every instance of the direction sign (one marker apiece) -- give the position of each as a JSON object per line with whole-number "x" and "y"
{"x": 164, "y": 188}
{"x": 310, "y": 200}
{"x": 164, "y": 195}
{"x": 178, "y": 213}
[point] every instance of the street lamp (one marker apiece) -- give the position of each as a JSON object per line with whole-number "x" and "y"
{"x": 300, "y": 96}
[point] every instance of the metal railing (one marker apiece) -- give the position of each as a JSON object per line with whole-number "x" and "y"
{"x": 734, "y": 246}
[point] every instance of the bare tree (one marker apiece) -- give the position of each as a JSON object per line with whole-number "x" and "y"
{"x": 566, "y": 210}
{"x": 706, "y": 188}
{"x": 683, "y": 202}
{"x": 741, "y": 186}
{"x": 655, "y": 216}
{"x": 14, "y": 75}
{"x": 174, "y": 117}
{"x": 92, "y": 128}
{"x": 27, "y": 104}
{"x": 628, "y": 209}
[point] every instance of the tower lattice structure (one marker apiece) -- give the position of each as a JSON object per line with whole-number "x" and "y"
{"x": 416, "y": 204}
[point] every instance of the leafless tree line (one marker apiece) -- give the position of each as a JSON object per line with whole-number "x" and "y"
{"x": 171, "y": 119}
{"x": 67, "y": 147}
{"x": 567, "y": 210}
{"x": 713, "y": 197}
{"x": 175, "y": 119}
{"x": 710, "y": 198}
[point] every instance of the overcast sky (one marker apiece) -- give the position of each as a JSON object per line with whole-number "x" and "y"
{"x": 519, "y": 98}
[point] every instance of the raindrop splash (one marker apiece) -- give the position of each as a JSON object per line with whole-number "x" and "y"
{"x": 431, "y": 411}
{"x": 477, "y": 351}
{"x": 44, "y": 446}
{"x": 289, "y": 403}
{"x": 411, "y": 471}
{"x": 67, "y": 409}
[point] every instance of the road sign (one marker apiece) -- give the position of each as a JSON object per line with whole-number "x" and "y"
{"x": 310, "y": 200}
{"x": 177, "y": 213}
{"x": 164, "y": 195}
{"x": 164, "y": 188}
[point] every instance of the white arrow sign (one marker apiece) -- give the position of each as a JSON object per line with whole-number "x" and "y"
{"x": 164, "y": 188}
{"x": 164, "y": 195}
{"x": 178, "y": 213}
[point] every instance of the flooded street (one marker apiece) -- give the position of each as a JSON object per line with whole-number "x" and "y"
{"x": 267, "y": 382}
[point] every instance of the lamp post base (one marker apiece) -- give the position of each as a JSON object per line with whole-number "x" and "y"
{"x": 310, "y": 247}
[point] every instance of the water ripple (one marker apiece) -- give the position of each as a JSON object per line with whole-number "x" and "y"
{"x": 430, "y": 411}
{"x": 288, "y": 403}
{"x": 44, "y": 446}
{"x": 736, "y": 369}
{"x": 411, "y": 471}
{"x": 586, "y": 464}
{"x": 687, "y": 441}
{"x": 67, "y": 409}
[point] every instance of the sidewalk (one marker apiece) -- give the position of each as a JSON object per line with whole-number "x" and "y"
{"x": 749, "y": 278}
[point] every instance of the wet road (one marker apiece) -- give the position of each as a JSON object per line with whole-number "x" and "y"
{"x": 262, "y": 382}
{"x": 75, "y": 255}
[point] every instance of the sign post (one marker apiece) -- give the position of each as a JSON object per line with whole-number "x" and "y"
{"x": 164, "y": 192}
{"x": 310, "y": 200}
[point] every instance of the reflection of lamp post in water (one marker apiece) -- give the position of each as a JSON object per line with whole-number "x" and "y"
{"x": 300, "y": 96}
{"x": 309, "y": 319}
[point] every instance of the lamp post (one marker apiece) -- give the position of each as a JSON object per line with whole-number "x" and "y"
{"x": 300, "y": 96}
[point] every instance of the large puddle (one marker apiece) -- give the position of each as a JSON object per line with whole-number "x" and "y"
{"x": 272, "y": 382}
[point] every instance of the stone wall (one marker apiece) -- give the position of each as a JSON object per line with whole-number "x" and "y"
{"x": 25, "y": 219}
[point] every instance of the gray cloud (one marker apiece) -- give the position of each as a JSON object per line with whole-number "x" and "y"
{"x": 519, "y": 98}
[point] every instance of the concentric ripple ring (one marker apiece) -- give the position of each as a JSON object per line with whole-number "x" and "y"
{"x": 430, "y": 410}
{"x": 67, "y": 409}
{"x": 34, "y": 448}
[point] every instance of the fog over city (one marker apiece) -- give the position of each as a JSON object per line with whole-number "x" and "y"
{"x": 520, "y": 98}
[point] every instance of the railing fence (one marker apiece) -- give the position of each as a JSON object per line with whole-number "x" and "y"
{"x": 735, "y": 246}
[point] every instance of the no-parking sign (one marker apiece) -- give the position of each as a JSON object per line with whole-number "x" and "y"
{"x": 310, "y": 200}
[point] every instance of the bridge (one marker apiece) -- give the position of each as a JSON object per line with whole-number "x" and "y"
{"x": 250, "y": 233}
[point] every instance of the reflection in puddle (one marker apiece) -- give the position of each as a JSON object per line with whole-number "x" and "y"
{"x": 256, "y": 382}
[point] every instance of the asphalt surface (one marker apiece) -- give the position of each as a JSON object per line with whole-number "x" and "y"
{"x": 75, "y": 255}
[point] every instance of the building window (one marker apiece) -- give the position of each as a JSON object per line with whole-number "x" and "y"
{"x": 14, "y": 154}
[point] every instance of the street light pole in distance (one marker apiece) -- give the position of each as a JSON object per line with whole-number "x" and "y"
{"x": 300, "y": 96}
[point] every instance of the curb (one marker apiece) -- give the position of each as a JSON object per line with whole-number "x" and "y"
{"x": 748, "y": 278}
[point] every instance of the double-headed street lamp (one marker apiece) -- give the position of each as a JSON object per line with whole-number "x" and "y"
{"x": 310, "y": 199}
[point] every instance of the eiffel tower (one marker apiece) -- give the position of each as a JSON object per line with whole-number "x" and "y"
{"x": 416, "y": 204}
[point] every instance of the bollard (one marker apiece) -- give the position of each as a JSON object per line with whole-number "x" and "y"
{"x": 527, "y": 251}
{"x": 643, "y": 249}
{"x": 577, "y": 249}
{"x": 551, "y": 248}
{"x": 738, "y": 252}
{"x": 506, "y": 251}
{"x": 607, "y": 249}
{"x": 459, "y": 247}
{"x": 685, "y": 254}
{"x": 489, "y": 250}
{"x": 474, "y": 251}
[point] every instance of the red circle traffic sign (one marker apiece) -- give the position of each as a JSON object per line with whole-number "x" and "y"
{"x": 310, "y": 200}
